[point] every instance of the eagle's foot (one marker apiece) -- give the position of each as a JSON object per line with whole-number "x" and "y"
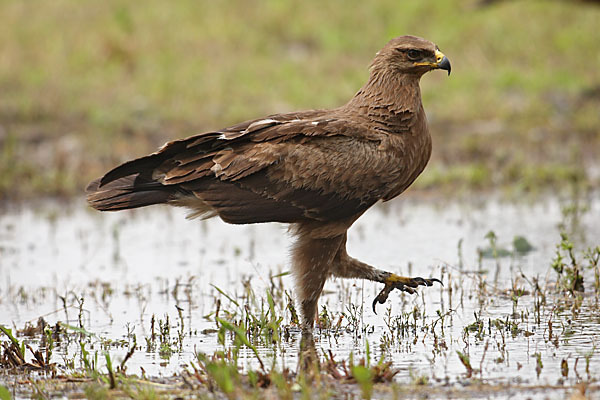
{"x": 402, "y": 283}
{"x": 308, "y": 358}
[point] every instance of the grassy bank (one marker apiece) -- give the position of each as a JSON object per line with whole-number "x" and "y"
{"x": 87, "y": 85}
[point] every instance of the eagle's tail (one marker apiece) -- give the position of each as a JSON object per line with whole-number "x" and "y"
{"x": 127, "y": 192}
{"x": 130, "y": 185}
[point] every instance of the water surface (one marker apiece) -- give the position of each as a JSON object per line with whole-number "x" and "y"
{"x": 128, "y": 266}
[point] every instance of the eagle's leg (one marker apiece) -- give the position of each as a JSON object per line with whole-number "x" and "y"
{"x": 311, "y": 261}
{"x": 345, "y": 266}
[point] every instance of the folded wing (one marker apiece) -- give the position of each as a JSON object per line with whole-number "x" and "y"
{"x": 284, "y": 168}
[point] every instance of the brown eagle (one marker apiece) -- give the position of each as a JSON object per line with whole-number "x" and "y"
{"x": 318, "y": 170}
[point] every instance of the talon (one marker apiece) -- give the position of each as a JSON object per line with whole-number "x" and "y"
{"x": 374, "y": 305}
{"x": 436, "y": 280}
{"x": 426, "y": 282}
{"x": 403, "y": 284}
{"x": 382, "y": 296}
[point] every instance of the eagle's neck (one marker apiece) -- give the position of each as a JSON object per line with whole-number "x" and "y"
{"x": 389, "y": 97}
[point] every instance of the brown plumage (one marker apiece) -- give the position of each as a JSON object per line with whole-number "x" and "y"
{"x": 318, "y": 170}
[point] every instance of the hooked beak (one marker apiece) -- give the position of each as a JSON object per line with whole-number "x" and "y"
{"x": 442, "y": 62}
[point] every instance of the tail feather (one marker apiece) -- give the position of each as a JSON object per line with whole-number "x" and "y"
{"x": 147, "y": 163}
{"x": 127, "y": 192}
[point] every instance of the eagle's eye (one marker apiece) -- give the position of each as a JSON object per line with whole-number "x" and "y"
{"x": 414, "y": 54}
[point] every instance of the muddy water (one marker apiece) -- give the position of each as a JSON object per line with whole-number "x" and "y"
{"x": 129, "y": 266}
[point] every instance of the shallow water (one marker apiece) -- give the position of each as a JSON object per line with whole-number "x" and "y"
{"x": 128, "y": 266}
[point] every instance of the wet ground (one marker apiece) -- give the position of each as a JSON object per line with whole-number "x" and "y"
{"x": 501, "y": 310}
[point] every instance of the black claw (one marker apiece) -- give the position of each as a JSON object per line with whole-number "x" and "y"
{"x": 382, "y": 297}
{"x": 379, "y": 299}
{"x": 436, "y": 280}
{"x": 374, "y": 305}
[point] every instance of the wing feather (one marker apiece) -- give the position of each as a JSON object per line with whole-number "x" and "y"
{"x": 282, "y": 168}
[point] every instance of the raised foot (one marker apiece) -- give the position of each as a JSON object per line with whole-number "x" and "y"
{"x": 402, "y": 283}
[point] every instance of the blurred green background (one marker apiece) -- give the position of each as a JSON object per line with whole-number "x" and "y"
{"x": 85, "y": 85}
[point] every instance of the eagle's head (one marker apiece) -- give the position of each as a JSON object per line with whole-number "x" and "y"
{"x": 410, "y": 55}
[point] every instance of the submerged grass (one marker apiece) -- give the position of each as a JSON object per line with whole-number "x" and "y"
{"x": 86, "y": 86}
